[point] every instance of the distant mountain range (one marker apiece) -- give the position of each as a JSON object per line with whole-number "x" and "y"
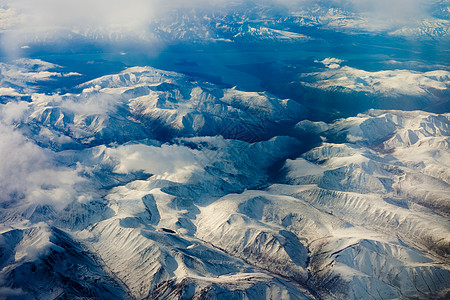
{"x": 251, "y": 21}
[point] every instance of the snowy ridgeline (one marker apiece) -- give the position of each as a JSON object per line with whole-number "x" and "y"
{"x": 147, "y": 184}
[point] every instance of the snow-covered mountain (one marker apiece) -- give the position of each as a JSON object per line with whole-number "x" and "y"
{"x": 397, "y": 83}
{"x": 149, "y": 184}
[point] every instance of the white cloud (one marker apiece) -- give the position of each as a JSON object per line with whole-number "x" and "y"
{"x": 29, "y": 176}
{"x": 87, "y": 103}
{"x": 330, "y": 62}
{"x": 8, "y": 19}
{"x": 163, "y": 160}
{"x": 13, "y": 112}
{"x": 397, "y": 9}
{"x": 49, "y": 20}
{"x": 8, "y": 92}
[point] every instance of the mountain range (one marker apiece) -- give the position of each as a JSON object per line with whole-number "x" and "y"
{"x": 150, "y": 184}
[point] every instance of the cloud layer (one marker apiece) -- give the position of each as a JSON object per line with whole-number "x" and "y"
{"x": 46, "y": 20}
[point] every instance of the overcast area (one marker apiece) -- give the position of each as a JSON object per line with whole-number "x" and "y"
{"x": 29, "y": 21}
